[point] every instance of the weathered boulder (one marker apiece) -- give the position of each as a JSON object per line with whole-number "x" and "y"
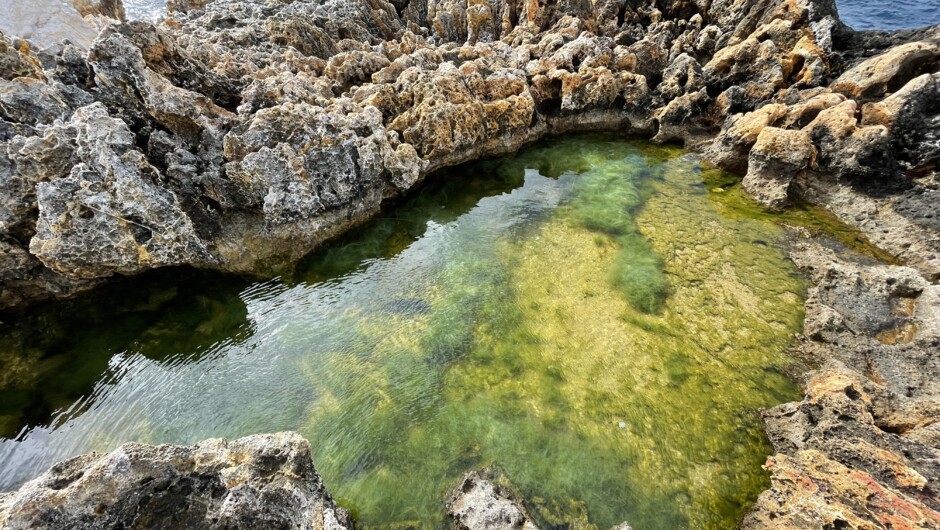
{"x": 779, "y": 157}
{"x": 889, "y": 71}
{"x": 483, "y": 500}
{"x": 732, "y": 146}
{"x": 110, "y": 214}
{"x": 256, "y": 482}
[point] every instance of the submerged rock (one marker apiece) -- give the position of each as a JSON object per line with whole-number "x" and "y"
{"x": 256, "y": 482}
{"x": 484, "y": 500}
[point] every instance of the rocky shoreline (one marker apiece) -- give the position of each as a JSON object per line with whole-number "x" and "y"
{"x": 239, "y": 135}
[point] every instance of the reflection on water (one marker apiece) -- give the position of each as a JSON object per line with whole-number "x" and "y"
{"x": 581, "y": 314}
{"x": 145, "y": 9}
{"x": 54, "y": 355}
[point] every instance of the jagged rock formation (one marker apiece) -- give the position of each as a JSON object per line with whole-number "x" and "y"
{"x": 482, "y": 501}
{"x": 862, "y": 450}
{"x": 256, "y": 482}
{"x": 239, "y": 135}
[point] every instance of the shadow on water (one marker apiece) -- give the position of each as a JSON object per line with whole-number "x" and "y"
{"x": 445, "y": 197}
{"x": 55, "y": 353}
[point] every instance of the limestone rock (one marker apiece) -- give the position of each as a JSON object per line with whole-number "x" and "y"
{"x": 879, "y": 319}
{"x": 859, "y": 451}
{"x": 261, "y": 481}
{"x": 241, "y": 132}
{"x": 810, "y": 491}
{"x": 110, "y": 215}
{"x": 779, "y": 156}
{"x": 483, "y": 501}
{"x": 30, "y": 101}
{"x": 16, "y": 59}
{"x": 730, "y": 149}
{"x": 889, "y": 71}
{"x": 835, "y": 467}
{"x": 185, "y": 6}
{"x": 266, "y": 127}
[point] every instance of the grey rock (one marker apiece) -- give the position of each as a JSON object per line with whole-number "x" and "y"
{"x": 483, "y": 500}
{"x": 110, "y": 214}
{"x": 263, "y": 481}
{"x": 882, "y": 320}
{"x": 262, "y": 129}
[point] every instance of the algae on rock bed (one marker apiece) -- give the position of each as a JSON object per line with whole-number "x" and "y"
{"x": 634, "y": 404}
{"x": 594, "y": 324}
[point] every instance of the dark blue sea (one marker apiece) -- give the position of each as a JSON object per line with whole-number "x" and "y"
{"x": 889, "y": 14}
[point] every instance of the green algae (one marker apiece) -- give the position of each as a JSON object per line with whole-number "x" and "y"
{"x": 732, "y": 201}
{"x": 602, "y": 405}
{"x": 586, "y": 315}
{"x": 606, "y": 202}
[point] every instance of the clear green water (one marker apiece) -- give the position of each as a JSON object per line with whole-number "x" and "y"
{"x": 589, "y": 315}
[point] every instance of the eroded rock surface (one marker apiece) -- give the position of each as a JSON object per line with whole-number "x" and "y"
{"x": 482, "y": 501}
{"x": 247, "y": 132}
{"x": 256, "y": 482}
{"x": 485, "y": 500}
{"x": 862, "y": 450}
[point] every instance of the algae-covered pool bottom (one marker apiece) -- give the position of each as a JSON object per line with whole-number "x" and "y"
{"x": 587, "y": 315}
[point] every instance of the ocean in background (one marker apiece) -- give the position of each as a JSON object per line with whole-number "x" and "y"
{"x": 859, "y": 14}
{"x": 889, "y": 14}
{"x": 145, "y": 9}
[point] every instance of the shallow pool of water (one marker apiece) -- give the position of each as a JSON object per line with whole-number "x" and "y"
{"x": 588, "y": 315}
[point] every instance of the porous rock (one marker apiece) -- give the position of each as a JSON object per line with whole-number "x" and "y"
{"x": 238, "y": 133}
{"x": 256, "y": 482}
{"x": 779, "y": 156}
{"x": 483, "y": 500}
{"x": 862, "y": 450}
{"x": 259, "y": 131}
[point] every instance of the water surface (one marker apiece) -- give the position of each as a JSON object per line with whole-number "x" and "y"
{"x": 889, "y": 14}
{"x": 588, "y": 315}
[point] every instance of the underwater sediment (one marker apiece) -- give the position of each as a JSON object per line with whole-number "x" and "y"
{"x": 239, "y": 136}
